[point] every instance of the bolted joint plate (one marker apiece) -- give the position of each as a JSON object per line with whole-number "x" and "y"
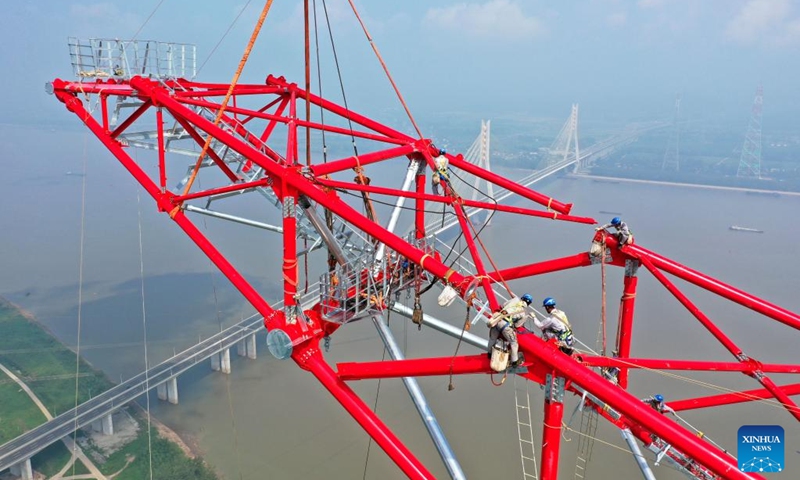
{"x": 554, "y": 388}
{"x": 631, "y": 267}
{"x": 288, "y": 207}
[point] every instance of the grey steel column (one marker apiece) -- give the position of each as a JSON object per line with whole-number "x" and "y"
{"x": 411, "y": 173}
{"x": 434, "y": 430}
{"x": 637, "y": 454}
{"x": 443, "y": 327}
{"x": 322, "y": 229}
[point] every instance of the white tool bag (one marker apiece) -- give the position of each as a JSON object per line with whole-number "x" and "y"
{"x": 499, "y": 362}
{"x": 447, "y": 296}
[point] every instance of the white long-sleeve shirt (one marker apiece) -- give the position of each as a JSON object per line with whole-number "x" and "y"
{"x": 553, "y": 324}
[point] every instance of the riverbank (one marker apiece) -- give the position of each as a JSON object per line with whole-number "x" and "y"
{"x": 679, "y": 184}
{"x": 37, "y": 359}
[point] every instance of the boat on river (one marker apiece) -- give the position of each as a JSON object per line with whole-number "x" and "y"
{"x": 745, "y": 229}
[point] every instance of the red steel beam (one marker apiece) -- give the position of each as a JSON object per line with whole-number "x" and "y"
{"x": 632, "y": 407}
{"x": 551, "y": 438}
{"x": 297, "y": 180}
{"x": 362, "y": 414}
{"x": 626, "y": 307}
{"x": 539, "y": 268}
{"x": 339, "y": 110}
{"x": 668, "y": 364}
{"x": 537, "y": 197}
{"x": 779, "y": 394}
{"x": 299, "y": 122}
{"x": 361, "y": 160}
{"x": 162, "y": 200}
{"x": 419, "y": 214}
{"x": 755, "y": 370}
{"x": 162, "y": 161}
{"x": 264, "y": 182}
{"x": 272, "y": 124}
{"x": 466, "y": 227}
{"x": 211, "y": 153}
{"x": 731, "y": 398}
{"x": 418, "y": 367}
{"x": 132, "y": 118}
{"x": 698, "y": 314}
{"x": 450, "y": 201}
{"x": 713, "y": 285}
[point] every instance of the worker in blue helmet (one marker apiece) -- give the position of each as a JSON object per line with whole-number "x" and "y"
{"x": 506, "y": 322}
{"x": 624, "y": 234}
{"x": 441, "y": 174}
{"x": 555, "y": 326}
{"x": 657, "y": 402}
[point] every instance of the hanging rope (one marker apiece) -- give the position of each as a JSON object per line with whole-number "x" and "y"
{"x": 230, "y": 27}
{"x": 450, "y": 385}
{"x": 80, "y": 301}
{"x": 227, "y": 377}
{"x": 144, "y": 337}
{"x": 386, "y": 69}
{"x": 375, "y": 405}
{"x": 603, "y": 304}
{"x": 146, "y": 20}
{"x": 360, "y": 178}
{"x": 224, "y": 104}
{"x": 328, "y": 214}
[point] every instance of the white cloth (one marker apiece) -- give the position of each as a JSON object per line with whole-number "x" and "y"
{"x": 441, "y": 163}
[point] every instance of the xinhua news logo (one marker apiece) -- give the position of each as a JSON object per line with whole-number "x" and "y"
{"x": 761, "y": 448}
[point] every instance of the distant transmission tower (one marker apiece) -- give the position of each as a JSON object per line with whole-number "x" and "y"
{"x": 672, "y": 159}
{"x": 750, "y": 162}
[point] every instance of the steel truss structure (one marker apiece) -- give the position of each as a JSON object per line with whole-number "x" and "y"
{"x": 256, "y": 148}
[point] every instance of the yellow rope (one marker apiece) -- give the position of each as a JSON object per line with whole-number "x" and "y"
{"x": 422, "y": 260}
{"x": 710, "y": 386}
{"x": 228, "y": 95}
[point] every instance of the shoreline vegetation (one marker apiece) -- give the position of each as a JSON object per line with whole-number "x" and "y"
{"x": 48, "y": 367}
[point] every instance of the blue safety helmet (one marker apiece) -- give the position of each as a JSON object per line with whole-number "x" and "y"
{"x": 616, "y": 221}
{"x": 442, "y": 151}
{"x": 658, "y": 397}
{"x": 549, "y": 302}
{"x": 527, "y": 298}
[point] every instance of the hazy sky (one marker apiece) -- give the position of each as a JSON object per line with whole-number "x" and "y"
{"x": 619, "y": 59}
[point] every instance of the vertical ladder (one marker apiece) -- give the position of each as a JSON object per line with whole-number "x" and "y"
{"x": 586, "y": 441}
{"x": 527, "y": 450}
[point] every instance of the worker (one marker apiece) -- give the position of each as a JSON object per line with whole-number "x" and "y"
{"x": 440, "y": 175}
{"x": 657, "y": 402}
{"x": 624, "y": 234}
{"x": 556, "y": 326}
{"x": 505, "y": 322}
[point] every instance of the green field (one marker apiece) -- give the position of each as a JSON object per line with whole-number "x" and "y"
{"x": 49, "y": 368}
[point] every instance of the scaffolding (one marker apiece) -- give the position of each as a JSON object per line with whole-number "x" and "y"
{"x": 114, "y": 58}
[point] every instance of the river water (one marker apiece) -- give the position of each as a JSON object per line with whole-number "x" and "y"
{"x": 267, "y": 419}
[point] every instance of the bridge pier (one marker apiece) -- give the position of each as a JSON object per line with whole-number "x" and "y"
{"x": 104, "y": 425}
{"x": 221, "y": 362}
{"x": 246, "y": 347}
{"x": 168, "y": 391}
{"x": 23, "y": 470}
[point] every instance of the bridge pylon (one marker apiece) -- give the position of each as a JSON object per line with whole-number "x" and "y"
{"x": 479, "y": 154}
{"x": 565, "y": 146}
